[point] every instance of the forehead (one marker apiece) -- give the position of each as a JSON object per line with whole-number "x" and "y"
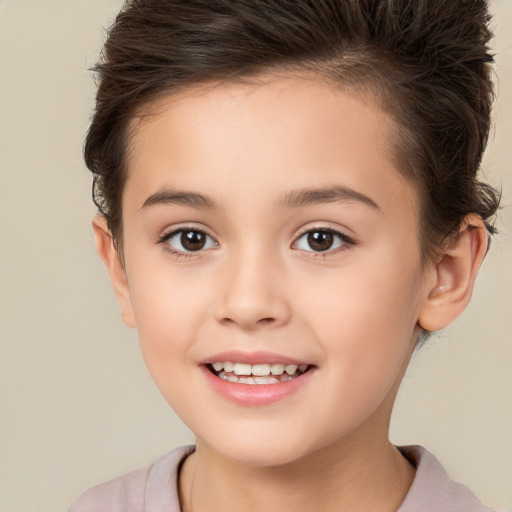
{"x": 290, "y": 132}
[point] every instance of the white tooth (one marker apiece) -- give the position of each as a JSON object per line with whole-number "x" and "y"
{"x": 277, "y": 369}
{"x": 265, "y": 380}
{"x": 246, "y": 380}
{"x": 228, "y": 366}
{"x": 242, "y": 369}
{"x": 217, "y": 366}
{"x": 303, "y": 367}
{"x": 232, "y": 378}
{"x": 261, "y": 369}
{"x": 285, "y": 378}
{"x": 290, "y": 369}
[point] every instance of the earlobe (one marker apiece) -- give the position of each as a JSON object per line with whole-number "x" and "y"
{"x": 110, "y": 257}
{"x": 449, "y": 291}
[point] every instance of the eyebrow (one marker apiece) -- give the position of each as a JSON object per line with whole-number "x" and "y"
{"x": 294, "y": 199}
{"x": 308, "y": 196}
{"x": 180, "y": 197}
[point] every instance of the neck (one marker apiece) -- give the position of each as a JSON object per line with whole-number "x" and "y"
{"x": 370, "y": 476}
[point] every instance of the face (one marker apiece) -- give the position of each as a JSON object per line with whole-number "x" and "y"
{"x": 273, "y": 265}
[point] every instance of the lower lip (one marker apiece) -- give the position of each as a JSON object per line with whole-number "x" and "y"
{"x": 255, "y": 394}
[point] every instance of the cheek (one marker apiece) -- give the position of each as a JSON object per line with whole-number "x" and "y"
{"x": 367, "y": 319}
{"x": 168, "y": 311}
{"x": 366, "y": 296}
{"x": 166, "y": 319}
{"x": 367, "y": 348}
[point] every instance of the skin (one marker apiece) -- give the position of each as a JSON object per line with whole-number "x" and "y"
{"x": 353, "y": 312}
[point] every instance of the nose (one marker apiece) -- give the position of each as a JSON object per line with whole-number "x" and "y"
{"x": 254, "y": 294}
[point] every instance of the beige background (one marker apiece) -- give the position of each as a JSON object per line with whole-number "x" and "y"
{"x": 76, "y": 404}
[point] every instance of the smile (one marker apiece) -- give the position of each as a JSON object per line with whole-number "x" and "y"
{"x": 266, "y": 373}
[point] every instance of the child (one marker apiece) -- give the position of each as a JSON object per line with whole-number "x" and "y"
{"x": 288, "y": 206}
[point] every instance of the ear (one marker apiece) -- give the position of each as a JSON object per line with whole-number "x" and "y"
{"x": 451, "y": 283}
{"x": 110, "y": 257}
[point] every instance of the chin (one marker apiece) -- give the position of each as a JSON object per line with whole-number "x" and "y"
{"x": 257, "y": 449}
{"x": 261, "y": 457}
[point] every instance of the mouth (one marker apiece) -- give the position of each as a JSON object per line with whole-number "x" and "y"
{"x": 256, "y": 374}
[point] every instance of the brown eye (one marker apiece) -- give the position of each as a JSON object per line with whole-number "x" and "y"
{"x": 189, "y": 240}
{"x": 193, "y": 240}
{"x": 320, "y": 240}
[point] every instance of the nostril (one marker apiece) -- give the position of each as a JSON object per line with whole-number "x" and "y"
{"x": 248, "y": 323}
{"x": 267, "y": 320}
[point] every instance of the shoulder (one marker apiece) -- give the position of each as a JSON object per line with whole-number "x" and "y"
{"x": 433, "y": 490}
{"x": 149, "y": 489}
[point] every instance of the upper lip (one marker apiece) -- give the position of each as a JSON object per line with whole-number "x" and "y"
{"x": 258, "y": 357}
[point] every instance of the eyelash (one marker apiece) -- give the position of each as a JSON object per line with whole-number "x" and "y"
{"x": 344, "y": 241}
{"x": 164, "y": 239}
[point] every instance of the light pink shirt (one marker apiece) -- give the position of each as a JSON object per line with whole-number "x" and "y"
{"x": 154, "y": 489}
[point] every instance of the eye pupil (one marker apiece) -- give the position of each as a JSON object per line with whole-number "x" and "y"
{"x": 320, "y": 240}
{"x": 193, "y": 240}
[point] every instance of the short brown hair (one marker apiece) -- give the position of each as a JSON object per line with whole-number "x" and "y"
{"x": 427, "y": 62}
